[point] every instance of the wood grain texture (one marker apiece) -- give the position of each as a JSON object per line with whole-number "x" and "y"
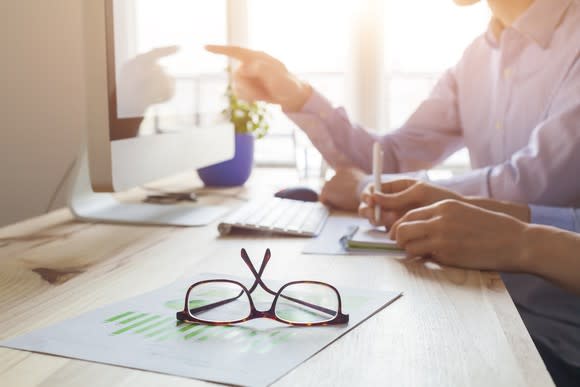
{"x": 451, "y": 328}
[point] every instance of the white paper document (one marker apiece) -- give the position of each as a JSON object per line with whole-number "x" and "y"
{"x": 369, "y": 237}
{"x": 335, "y": 234}
{"x": 143, "y": 333}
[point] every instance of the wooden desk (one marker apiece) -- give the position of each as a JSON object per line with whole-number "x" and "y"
{"x": 451, "y": 327}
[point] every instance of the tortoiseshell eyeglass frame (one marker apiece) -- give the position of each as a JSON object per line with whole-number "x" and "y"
{"x": 187, "y": 315}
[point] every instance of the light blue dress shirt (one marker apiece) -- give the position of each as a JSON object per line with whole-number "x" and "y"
{"x": 514, "y": 102}
{"x": 551, "y": 314}
{"x": 561, "y": 217}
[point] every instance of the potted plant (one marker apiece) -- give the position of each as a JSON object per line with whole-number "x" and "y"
{"x": 250, "y": 121}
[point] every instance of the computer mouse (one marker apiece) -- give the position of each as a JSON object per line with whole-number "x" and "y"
{"x": 304, "y": 194}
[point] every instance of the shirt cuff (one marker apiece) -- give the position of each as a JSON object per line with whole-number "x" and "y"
{"x": 316, "y": 105}
{"x": 316, "y": 120}
{"x": 560, "y": 217}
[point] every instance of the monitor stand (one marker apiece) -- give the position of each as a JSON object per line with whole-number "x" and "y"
{"x": 89, "y": 206}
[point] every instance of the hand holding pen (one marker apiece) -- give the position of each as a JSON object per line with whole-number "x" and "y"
{"x": 377, "y": 172}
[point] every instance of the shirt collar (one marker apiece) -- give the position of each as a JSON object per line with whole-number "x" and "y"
{"x": 538, "y": 22}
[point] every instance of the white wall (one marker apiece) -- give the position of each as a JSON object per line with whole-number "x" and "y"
{"x": 41, "y": 102}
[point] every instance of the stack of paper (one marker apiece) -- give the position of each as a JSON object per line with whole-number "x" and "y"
{"x": 370, "y": 238}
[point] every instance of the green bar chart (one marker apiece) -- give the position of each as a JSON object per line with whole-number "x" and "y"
{"x": 160, "y": 328}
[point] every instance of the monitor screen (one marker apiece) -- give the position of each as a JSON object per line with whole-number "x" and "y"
{"x": 154, "y": 96}
{"x": 160, "y": 78}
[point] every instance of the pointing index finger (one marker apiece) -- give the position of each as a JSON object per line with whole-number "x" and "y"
{"x": 239, "y": 53}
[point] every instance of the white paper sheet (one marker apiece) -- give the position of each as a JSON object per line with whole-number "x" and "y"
{"x": 372, "y": 237}
{"x": 329, "y": 240}
{"x": 143, "y": 333}
{"x": 337, "y": 227}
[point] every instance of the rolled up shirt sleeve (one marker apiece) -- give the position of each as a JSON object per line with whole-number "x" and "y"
{"x": 561, "y": 217}
{"x": 431, "y": 134}
{"x": 316, "y": 120}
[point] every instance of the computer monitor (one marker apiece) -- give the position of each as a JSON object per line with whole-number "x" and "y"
{"x": 154, "y": 100}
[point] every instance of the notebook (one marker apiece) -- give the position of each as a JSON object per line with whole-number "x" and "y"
{"x": 369, "y": 238}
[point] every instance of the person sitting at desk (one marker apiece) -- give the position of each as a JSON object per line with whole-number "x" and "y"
{"x": 540, "y": 264}
{"x": 513, "y": 100}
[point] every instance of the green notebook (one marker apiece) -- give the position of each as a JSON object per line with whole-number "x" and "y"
{"x": 369, "y": 238}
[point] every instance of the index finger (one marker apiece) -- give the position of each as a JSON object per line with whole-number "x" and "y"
{"x": 419, "y": 214}
{"x": 240, "y": 53}
{"x": 395, "y": 186}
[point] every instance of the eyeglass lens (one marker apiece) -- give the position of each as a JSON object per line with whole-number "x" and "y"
{"x": 306, "y": 303}
{"x": 302, "y": 303}
{"x": 225, "y": 302}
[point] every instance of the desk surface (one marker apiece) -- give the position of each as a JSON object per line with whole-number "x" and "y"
{"x": 451, "y": 327}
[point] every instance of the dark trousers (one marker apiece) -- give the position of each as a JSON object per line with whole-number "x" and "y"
{"x": 563, "y": 374}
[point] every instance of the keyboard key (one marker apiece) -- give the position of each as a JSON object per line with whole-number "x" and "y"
{"x": 261, "y": 212}
{"x": 276, "y": 213}
{"x": 282, "y": 216}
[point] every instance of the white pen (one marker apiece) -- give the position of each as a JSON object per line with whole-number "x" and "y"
{"x": 377, "y": 172}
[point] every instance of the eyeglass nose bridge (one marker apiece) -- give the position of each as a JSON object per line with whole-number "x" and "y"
{"x": 262, "y": 313}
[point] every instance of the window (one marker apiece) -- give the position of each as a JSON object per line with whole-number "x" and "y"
{"x": 291, "y": 32}
{"x": 145, "y": 27}
{"x": 424, "y": 38}
{"x": 315, "y": 39}
{"x": 414, "y": 41}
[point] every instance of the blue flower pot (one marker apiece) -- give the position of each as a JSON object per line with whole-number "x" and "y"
{"x": 234, "y": 172}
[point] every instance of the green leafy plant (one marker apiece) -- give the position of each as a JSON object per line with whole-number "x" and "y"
{"x": 247, "y": 117}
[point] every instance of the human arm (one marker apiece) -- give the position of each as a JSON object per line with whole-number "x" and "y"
{"x": 264, "y": 78}
{"x": 553, "y": 254}
{"x": 479, "y": 233}
{"x": 432, "y": 133}
{"x": 398, "y": 197}
{"x": 459, "y": 234}
{"x": 428, "y": 137}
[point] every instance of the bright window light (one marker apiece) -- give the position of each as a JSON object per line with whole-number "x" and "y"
{"x": 314, "y": 39}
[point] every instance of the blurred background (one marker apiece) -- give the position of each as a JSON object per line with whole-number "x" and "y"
{"x": 378, "y": 58}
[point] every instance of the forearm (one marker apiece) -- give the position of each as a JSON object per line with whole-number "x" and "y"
{"x": 564, "y": 218}
{"x": 341, "y": 143}
{"x": 549, "y": 252}
{"x": 432, "y": 133}
{"x": 516, "y": 210}
{"x": 553, "y": 254}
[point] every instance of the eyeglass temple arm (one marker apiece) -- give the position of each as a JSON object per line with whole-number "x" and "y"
{"x": 312, "y": 306}
{"x": 215, "y": 304}
{"x": 258, "y": 274}
{"x": 258, "y": 277}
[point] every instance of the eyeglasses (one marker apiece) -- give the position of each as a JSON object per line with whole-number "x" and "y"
{"x": 298, "y": 303}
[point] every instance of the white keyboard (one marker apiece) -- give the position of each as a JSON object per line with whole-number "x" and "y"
{"x": 283, "y": 216}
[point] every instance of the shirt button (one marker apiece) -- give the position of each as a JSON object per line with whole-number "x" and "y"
{"x": 323, "y": 115}
{"x": 499, "y": 125}
{"x": 507, "y": 73}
